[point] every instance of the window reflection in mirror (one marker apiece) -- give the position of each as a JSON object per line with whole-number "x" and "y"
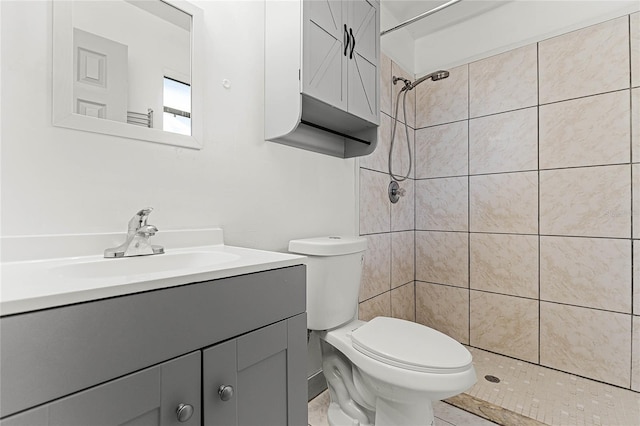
{"x": 122, "y": 51}
{"x": 177, "y": 107}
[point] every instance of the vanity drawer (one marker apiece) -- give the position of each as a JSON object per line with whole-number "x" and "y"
{"x": 52, "y": 353}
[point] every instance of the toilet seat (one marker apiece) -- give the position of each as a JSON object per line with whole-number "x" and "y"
{"x": 410, "y": 346}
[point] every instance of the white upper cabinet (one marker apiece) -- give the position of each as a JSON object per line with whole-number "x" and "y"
{"x": 322, "y": 77}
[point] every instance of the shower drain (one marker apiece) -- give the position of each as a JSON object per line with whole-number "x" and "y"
{"x": 492, "y": 379}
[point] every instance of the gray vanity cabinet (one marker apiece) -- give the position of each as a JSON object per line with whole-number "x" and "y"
{"x": 167, "y": 394}
{"x": 340, "y": 55}
{"x": 150, "y": 358}
{"x": 246, "y": 381}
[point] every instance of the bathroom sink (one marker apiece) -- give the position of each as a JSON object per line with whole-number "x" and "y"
{"x": 30, "y": 281}
{"x": 103, "y": 268}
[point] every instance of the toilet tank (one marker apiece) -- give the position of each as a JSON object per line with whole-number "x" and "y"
{"x": 334, "y": 268}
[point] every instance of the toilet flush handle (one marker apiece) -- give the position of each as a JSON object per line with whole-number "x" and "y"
{"x": 225, "y": 392}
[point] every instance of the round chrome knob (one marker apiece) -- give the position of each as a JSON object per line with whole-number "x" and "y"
{"x": 225, "y": 392}
{"x": 184, "y": 412}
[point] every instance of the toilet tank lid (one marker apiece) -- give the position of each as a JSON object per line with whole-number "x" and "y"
{"x": 328, "y": 246}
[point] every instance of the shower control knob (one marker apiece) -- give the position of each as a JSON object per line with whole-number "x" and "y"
{"x": 395, "y": 192}
{"x": 225, "y": 392}
{"x": 184, "y": 412}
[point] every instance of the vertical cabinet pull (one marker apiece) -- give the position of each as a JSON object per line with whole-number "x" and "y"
{"x": 346, "y": 40}
{"x": 353, "y": 43}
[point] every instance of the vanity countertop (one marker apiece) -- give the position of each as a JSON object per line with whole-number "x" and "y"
{"x": 34, "y": 284}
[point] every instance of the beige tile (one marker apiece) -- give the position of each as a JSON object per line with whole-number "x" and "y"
{"x": 505, "y": 324}
{"x": 376, "y": 270}
{"x": 375, "y": 210}
{"x": 585, "y": 62}
{"x": 585, "y": 132}
{"x": 379, "y": 158}
{"x": 385, "y": 84}
{"x": 589, "y": 272}
{"x": 410, "y": 102}
{"x": 379, "y": 306}
{"x": 402, "y": 258}
{"x": 403, "y": 212}
{"x": 636, "y": 277}
{"x": 587, "y": 342}
{"x": 590, "y": 202}
{"x": 442, "y": 257}
{"x": 635, "y": 205}
{"x": 506, "y": 142}
{"x": 400, "y": 160}
{"x": 504, "y": 82}
{"x": 317, "y": 410}
{"x": 635, "y": 124}
{"x": 504, "y": 203}
{"x": 403, "y": 302}
{"x": 442, "y": 204}
{"x": 441, "y": 151}
{"x": 635, "y": 49}
{"x": 443, "y": 101}
{"x": 635, "y": 367}
{"x": 443, "y": 308}
{"x": 503, "y": 263}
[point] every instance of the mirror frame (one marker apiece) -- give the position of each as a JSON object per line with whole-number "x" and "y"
{"x": 63, "y": 111}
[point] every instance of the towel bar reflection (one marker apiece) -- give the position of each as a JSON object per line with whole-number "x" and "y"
{"x": 140, "y": 119}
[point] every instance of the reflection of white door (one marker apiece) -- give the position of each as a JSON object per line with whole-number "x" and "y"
{"x": 100, "y": 83}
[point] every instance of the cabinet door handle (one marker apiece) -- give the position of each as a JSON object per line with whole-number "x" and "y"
{"x": 346, "y": 40}
{"x": 225, "y": 392}
{"x": 184, "y": 412}
{"x": 353, "y": 43}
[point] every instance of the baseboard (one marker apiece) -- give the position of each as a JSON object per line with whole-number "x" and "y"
{"x": 316, "y": 384}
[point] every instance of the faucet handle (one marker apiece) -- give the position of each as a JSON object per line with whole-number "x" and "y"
{"x": 139, "y": 219}
{"x": 147, "y": 231}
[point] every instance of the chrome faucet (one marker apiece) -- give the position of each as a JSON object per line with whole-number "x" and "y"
{"x": 137, "y": 242}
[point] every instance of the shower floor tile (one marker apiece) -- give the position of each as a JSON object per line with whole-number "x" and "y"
{"x": 549, "y": 396}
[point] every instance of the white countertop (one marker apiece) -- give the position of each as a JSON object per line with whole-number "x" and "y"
{"x": 29, "y": 285}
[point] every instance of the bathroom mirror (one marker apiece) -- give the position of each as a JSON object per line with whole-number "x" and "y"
{"x": 129, "y": 68}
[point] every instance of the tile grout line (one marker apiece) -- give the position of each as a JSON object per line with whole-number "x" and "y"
{"x": 539, "y": 197}
{"x": 633, "y": 283}
{"x": 469, "y": 199}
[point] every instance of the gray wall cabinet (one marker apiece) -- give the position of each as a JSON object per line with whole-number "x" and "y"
{"x": 327, "y": 98}
{"x": 161, "y": 357}
{"x": 340, "y": 65}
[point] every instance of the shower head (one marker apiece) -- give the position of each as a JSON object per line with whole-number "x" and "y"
{"x": 439, "y": 75}
{"x": 435, "y": 76}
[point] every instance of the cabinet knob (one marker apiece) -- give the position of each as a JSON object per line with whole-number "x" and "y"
{"x": 184, "y": 412}
{"x": 225, "y": 392}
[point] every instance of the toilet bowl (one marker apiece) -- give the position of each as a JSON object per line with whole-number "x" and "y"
{"x": 395, "y": 368}
{"x": 384, "y": 372}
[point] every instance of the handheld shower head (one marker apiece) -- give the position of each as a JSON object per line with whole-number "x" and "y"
{"x": 439, "y": 75}
{"x": 435, "y": 76}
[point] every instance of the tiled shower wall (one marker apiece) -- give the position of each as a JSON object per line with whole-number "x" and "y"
{"x": 388, "y": 286}
{"x": 527, "y": 171}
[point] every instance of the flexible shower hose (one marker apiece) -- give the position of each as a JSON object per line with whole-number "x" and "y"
{"x": 393, "y": 135}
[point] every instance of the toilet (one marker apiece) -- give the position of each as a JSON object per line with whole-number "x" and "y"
{"x": 384, "y": 372}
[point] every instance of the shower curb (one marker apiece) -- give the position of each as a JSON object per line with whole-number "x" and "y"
{"x": 491, "y": 412}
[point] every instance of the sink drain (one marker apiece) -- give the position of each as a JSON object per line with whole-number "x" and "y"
{"x": 492, "y": 379}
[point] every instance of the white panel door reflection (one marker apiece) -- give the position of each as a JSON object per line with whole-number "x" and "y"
{"x": 100, "y": 83}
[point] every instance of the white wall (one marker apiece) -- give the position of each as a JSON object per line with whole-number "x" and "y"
{"x": 512, "y": 25}
{"x": 262, "y": 194}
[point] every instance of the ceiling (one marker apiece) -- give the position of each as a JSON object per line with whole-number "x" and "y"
{"x": 402, "y": 10}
